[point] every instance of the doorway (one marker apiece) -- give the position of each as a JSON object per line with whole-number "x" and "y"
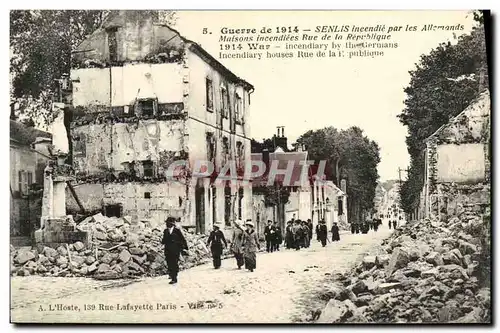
{"x": 200, "y": 209}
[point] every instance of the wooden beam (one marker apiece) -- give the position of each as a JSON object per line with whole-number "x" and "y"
{"x": 72, "y": 190}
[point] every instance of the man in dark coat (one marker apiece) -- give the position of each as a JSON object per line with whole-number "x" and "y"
{"x": 217, "y": 243}
{"x": 322, "y": 232}
{"x": 289, "y": 235}
{"x": 174, "y": 243}
{"x": 278, "y": 237}
{"x": 335, "y": 232}
{"x": 394, "y": 224}
{"x": 298, "y": 235}
{"x": 310, "y": 226}
{"x": 306, "y": 241}
{"x": 269, "y": 233}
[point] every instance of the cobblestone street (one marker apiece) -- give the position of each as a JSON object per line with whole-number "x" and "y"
{"x": 277, "y": 292}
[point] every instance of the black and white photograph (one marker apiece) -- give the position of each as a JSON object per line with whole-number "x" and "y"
{"x": 250, "y": 167}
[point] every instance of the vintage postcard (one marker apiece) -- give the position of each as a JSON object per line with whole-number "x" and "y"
{"x": 249, "y": 167}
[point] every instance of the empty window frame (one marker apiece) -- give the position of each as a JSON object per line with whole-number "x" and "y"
{"x": 238, "y": 108}
{"x": 210, "y": 94}
{"x": 148, "y": 170}
{"x": 224, "y": 102}
{"x": 112, "y": 44}
{"x": 210, "y": 146}
{"x": 146, "y": 108}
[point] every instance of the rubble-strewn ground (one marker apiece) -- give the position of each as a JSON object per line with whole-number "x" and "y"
{"x": 117, "y": 249}
{"x": 427, "y": 271}
{"x": 281, "y": 290}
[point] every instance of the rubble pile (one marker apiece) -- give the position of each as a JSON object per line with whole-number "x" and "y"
{"x": 430, "y": 272}
{"x": 117, "y": 249}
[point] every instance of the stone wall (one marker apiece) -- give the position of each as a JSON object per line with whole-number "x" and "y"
{"x": 143, "y": 201}
{"x": 458, "y": 164}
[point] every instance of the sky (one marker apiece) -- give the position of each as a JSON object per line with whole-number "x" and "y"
{"x": 303, "y": 94}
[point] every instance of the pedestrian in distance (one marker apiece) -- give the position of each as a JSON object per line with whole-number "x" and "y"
{"x": 394, "y": 224}
{"x": 289, "y": 235}
{"x": 390, "y": 222}
{"x": 174, "y": 244}
{"x": 310, "y": 226}
{"x": 297, "y": 235}
{"x": 322, "y": 232}
{"x": 278, "y": 237}
{"x": 269, "y": 236}
{"x": 305, "y": 238}
{"x": 217, "y": 243}
{"x": 237, "y": 244}
{"x": 335, "y": 232}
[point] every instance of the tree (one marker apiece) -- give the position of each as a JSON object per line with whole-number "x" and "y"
{"x": 41, "y": 42}
{"x": 350, "y": 155}
{"x": 443, "y": 84}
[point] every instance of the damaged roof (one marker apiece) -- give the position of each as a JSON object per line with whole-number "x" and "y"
{"x": 120, "y": 18}
{"x": 26, "y": 135}
{"x": 483, "y": 98}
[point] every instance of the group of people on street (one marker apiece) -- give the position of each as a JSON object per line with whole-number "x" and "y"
{"x": 298, "y": 234}
{"x": 394, "y": 223}
{"x": 244, "y": 242}
{"x": 365, "y": 226}
{"x": 244, "y": 245}
{"x": 322, "y": 232}
{"x": 273, "y": 236}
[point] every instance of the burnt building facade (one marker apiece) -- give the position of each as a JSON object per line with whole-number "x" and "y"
{"x": 147, "y": 107}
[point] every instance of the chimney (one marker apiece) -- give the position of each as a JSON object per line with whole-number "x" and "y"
{"x": 283, "y": 131}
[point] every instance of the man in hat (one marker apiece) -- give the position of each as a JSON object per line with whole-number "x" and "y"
{"x": 310, "y": 226}
{"x": 289, "y": 235}
{"x": 322, "y": 232}
{"x": 237, "y": 244}
{"x": 278, "y": 237}
{"x": 269, "y": 232}
{"x": 174, "y": 243}
{"x": 298, "y": 235}
{"x": 305, "y": 235}
{"x": 217, "y": 243}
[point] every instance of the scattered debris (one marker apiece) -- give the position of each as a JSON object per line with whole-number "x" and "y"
{"x": 429, "y": 274}
{"x": 118, "y": 249}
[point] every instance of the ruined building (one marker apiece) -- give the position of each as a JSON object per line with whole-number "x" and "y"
{"x": 457, "y": 164}
{"x": 143, "y": 98}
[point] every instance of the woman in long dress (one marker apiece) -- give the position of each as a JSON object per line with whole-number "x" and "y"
{"x": 250, "y": 246}
{"x": 335, "y": 232}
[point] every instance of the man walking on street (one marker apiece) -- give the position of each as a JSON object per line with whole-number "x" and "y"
{"x": 237, "y": 245}
{"x": 310, "y": 226}
{"x": 174, "y": 243}
{"x": 217, "y": 243}
{"x": 289, "y": 235}
{"x": 269, "y": 236}
{"x": 305, "y": 240}
{"x": 322, "y": 232}
{"x": 278, "y": 237}
{"x": 298, "y": 235}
